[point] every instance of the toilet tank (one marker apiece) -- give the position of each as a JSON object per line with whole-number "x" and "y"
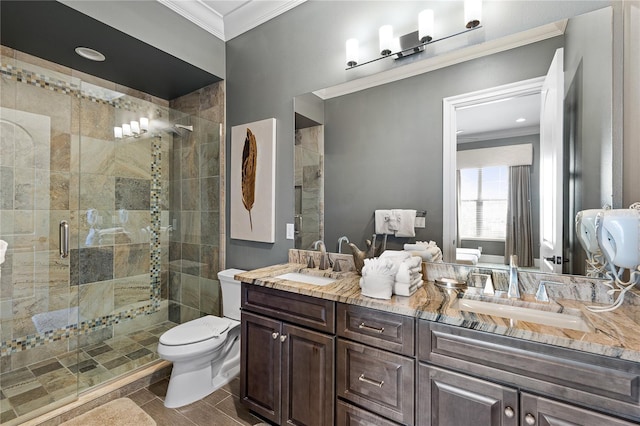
{"x": 230, "y": 293}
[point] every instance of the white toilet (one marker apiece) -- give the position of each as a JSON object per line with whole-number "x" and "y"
{"x": 206, "y": 351}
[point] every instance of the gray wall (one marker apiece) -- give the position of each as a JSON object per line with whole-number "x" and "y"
{"x": 303, "y": 50}
{"x": 392, "y": 156}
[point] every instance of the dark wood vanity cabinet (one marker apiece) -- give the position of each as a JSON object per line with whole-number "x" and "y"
{"x": 287, "y": 371}
{"x": 375, "y": 364}
{"x": 495, "y": 380}
{"x": 453, "y": 399}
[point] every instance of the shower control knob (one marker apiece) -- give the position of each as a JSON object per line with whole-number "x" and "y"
{"x": 275, "y": 335}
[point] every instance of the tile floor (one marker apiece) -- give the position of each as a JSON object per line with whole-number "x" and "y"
{"x": 221, "y": 408}
{"x": 37, "y": 385}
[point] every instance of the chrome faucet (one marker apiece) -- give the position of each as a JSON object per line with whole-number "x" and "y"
{"x": 324, "y": 262}
{"x": 514, "y": 291}
{"x": 341, "y": 240}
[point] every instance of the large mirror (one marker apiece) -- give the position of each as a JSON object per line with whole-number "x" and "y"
{"x": 382, "y": 147}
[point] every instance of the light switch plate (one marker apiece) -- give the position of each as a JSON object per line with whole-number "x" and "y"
{"x": 290, "y": 231}
{"x": 420, "y": 222}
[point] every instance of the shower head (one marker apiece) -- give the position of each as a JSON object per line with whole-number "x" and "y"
{"x": 182, "y": 126}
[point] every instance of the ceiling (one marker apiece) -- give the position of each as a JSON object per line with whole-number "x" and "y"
{"x": 54, "y": 30}
{"x": 497, "y": 119}
{"x": 227, "y": 19}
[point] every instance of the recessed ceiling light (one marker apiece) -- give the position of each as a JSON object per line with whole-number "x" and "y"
{"x": 92, "y": 55}
{"x": 521, "y": 120}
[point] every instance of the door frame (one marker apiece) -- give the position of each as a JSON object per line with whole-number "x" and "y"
{"x": 449, "y": 151}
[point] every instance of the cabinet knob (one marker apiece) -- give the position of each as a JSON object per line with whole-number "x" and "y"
{"x": 275, "y": 335}
{"x": 508, "y": 411}
{"x": 283, "y": 338}
{"x": 530, "y": 419}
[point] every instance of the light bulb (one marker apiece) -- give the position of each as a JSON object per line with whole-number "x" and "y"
{"x": 352, "y": 52}
{"x": 472, "y": 13}
{"x": 144, "y": 124}
{"x": 117, "y": 132}
{"x": 425, "y": 26}
{"x": 135, "y": 127}
{"x": 386, "y": 38}
{"x": 126, "y": 129}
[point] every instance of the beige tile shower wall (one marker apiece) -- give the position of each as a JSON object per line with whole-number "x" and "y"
{"x": 79, "y": 153}
{"x": 197, "y": 206}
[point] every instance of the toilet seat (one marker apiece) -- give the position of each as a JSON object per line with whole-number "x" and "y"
{"x": 195, "y": 331}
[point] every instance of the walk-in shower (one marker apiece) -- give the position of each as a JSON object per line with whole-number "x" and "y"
{"x": 134, "y": 212}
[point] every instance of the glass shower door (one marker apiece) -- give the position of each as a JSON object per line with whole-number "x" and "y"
{"x": 38, "y": 307}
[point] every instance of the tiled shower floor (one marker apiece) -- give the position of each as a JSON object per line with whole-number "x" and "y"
{"x": 37, "y": 385}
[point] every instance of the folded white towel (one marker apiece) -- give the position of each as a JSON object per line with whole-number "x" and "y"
{"x": 404, "y": 278}
{"x": 377, "y": 286}
{"x": 406, "y": 223}
{"x": 413, "y": 261}
{"x": 3, "y": 250}
{"x": 382, "y": 218}
{"x": 395, "y": 255}
{"x": 415, "y": 247}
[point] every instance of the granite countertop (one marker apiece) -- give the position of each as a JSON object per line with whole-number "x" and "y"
{"x": 612, "y": 334}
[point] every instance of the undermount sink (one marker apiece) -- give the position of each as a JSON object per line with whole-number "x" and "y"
{"x": 571, "y": 321}
{"x": 306, "y": 279}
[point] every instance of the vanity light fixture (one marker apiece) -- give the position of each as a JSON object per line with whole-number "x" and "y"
{"x": 417, "y": 40}
{"x": 133, "y": 128}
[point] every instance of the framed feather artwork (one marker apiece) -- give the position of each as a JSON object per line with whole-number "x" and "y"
{"x": 253, "y": 178}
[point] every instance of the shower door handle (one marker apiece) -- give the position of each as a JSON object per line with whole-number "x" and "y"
{"x": 64, "y": 239}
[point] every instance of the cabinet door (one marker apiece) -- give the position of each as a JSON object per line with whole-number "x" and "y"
{"x": 545, "y": 412}
{"x": 307, "y": 377}
{"x": 452, "y": 399}
{"x": 260, "y": 367}
{"x": 379, "y": 381}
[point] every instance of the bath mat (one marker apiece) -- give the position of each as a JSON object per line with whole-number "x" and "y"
{"x": 119, "y": 412}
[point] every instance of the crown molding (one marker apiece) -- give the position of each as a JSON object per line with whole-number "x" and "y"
{"x": 255, "y": 13}
{"x": 198, "y": 13}
{"x": 242, "y": 19}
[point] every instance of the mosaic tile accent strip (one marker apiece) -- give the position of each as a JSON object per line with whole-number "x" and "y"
{"x": 31, "y": 341}
{"x": 156, "y": 196}
{"x": 32, "y": 78}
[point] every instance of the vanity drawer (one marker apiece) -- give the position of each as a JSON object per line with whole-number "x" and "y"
{"x": 350, "y": 415}
{"x": 381, "y": 329}
{"x": 379, "y": 381}
{"x": 311, "y": 312}
{"x": 596, "y": 381}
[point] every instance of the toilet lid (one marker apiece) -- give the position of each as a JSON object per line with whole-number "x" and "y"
{"x": 196, "y": 331}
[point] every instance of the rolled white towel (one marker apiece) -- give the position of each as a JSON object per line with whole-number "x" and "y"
{"x": 415, "y": 247}
{"x": 425, "y": 255}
